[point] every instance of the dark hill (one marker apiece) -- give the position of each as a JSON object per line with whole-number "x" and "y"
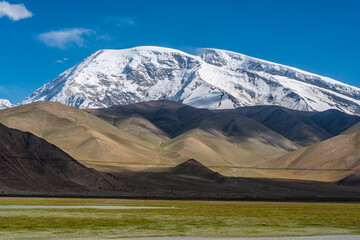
{"x": 303, "y": 128}
{"x": 351, "y": 180}
{"x": 172, "y": 117}
{"x": 194, "y": 168}
{"x": 175, "y": 119}
{"x": 192, "y": 179}
{"x": 29, "y": 164}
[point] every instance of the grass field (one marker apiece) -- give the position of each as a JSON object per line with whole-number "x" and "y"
{"x": 186, "y": 218}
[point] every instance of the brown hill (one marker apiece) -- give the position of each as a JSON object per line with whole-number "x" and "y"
{"x": 216, "y": 139}
{"x": 29, "y": 165}
{"x": 164, "y": 134}
{"x": 330, "y": 160}
{"x": 85, "y": 137}
{"x": 146, "y": 135}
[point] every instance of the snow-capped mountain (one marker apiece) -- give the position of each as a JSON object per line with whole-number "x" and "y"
{"x": 4, "y": 103}
{"x": 214, "y": 79}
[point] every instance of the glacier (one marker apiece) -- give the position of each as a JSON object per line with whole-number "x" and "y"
{"x": 213, "y": 79}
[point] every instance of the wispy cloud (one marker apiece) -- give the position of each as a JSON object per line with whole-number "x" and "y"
{"x": 124, "y": 22}
{"x": 62, "y": 60}
{"x": 80, "y": 36}
{"x": 14, "y": 11}
{"x": 66, "y": 37}
{"x": 121, "y": 22}
{"x": 109, "y": 29}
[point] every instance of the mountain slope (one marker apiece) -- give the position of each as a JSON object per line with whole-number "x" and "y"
{"x": 353, "y": 129}
{"x": 216, "y": 79}
{"x": 86, "y": 138}
{"x": 29, "y": 164}
{"x": 330, "y": 160}
{"x": 214, "y": 139}
{"x": 162, "y": 134}
{"x": 4, "y": 103}
{"x": 303, "y": 128}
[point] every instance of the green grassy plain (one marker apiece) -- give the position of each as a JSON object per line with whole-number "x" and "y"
{"x": 186, "y": 218}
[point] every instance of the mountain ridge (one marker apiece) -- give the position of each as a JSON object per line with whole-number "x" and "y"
{"x": 215, "y": 79}
{"x": 303, "y": 128}
{"x": 4, "y": 103}
{"x": 161, "y": 134}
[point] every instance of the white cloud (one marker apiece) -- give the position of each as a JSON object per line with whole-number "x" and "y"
{"x": 62, "y": 60}
{"x": 14, "y": 11}
{"x": 105, "y": 37}
{"x": 66, "y": 37}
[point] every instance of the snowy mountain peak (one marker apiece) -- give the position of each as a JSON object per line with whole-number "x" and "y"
{"x": 215, "y": 79}
{"x": 4, "y": 103}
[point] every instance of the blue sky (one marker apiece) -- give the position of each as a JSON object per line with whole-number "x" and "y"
{"x": 39, "y": 39}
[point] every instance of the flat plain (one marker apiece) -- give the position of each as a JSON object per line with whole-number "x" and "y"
{"x": 178, "y": 218}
